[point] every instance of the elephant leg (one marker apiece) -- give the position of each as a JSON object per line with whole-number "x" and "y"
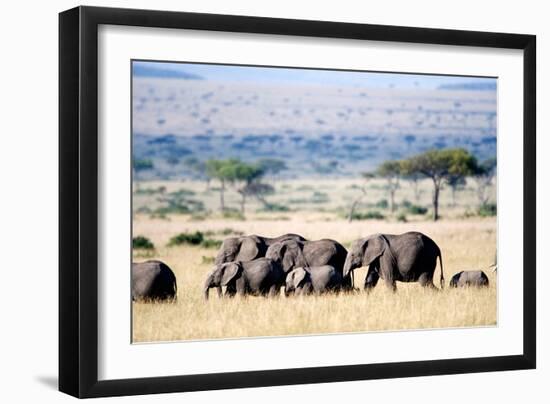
{"x": 230, "y": 291}
{"x": 390, "y": 283}
{"x": 241, "y": 287}
{"x": 426, "y": 280}
{"x": 274, "y": 290}
{"x": 371, "y": 279}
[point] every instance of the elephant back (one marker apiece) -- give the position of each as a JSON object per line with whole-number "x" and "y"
{"x": 325, "y": 252}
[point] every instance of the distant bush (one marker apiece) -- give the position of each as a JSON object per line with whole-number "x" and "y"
{"x": 275, "y": 207}
{"x": 175, "y": 209}
{"x": 382, "y": 204}
{"x": 233, "y": 214}
{"x": 197, "y": 217}
{"x": 150, "y": 191}
{"x": 298, "y": 201}
{"x": 406, "y": 203}
{"x": 143, "y": 243}
{"x": 402, "y": 218}
{"x": 228, "y": 230}
{"x": 373, "y": 214}
{"x": 488, "y": 209}
{"x": 319, "y": 197}
{"x": 181, "y": 193}
{"x": 417, "y": 210}
{"x": 143, "y": 209}
{"x": 273, "y": 218}
{"x": 195, "y": 238}
{"x": 210, "y": 243}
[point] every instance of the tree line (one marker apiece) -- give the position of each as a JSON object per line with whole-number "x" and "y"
{"x": 443, "y": 167}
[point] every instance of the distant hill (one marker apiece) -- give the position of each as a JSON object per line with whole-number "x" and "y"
{"x": 157, "y": 72}
{"x": 470, "y": 86}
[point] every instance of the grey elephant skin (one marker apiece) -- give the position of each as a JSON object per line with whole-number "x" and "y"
{"x": 408, "y": 257}
{"x": 469, "y": 278}
{"x": 153, "y": 280}
{"x": 261, "y": 276}
{"x": 294, "y": 254}
{"x": 308, "y": 280}
{"x": 248, "y": 248}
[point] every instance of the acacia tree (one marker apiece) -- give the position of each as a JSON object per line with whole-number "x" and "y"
{"x": 363, "y": 189}
{"x": 247, "y": 175}
{"x": 234, "y": 172}
{"x": 258, "y": 190}
{"x": 439, "y": 166}
{"x": 218, "y": 169}
{"x": 483, "y": 176}
{"x": 391, "y": 172}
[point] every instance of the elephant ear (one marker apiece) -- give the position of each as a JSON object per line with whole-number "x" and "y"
{"x": 374, "y": 248}
{"x": 292, "y": 256}
{"x": 299, "y": 275}
{"x": 231, "y": 271}
{"x": 249, "y": 250}
{"x": 228, "y": 251}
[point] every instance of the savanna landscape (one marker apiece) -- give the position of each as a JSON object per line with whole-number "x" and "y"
{"x": 393, "y": 158}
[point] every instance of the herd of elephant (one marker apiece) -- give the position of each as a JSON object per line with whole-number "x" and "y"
{"x": 256, "y": 265}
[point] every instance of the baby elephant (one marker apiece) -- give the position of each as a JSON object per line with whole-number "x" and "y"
{"x": 307, "y": 280}
{"x": 469, "y": 278}
{"x": 153, "y": 280}
{"x": 261, "y": 276}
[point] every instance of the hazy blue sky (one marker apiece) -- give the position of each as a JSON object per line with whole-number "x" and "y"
{"x": 344, "y": 78}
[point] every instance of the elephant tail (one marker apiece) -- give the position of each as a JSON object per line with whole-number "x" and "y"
{"x": 442, "y": 277}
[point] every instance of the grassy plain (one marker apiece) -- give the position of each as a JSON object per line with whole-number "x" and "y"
{"x": 467, "y": 242}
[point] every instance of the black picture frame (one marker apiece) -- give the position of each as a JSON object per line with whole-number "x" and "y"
{"x": 78, "y": 201}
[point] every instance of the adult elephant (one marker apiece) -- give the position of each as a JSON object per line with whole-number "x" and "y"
{"x": 248, "y": 248}
{"x": 294, "y": 254}
{"x": 408, "y": 257}
{"x": 153, "y": 280}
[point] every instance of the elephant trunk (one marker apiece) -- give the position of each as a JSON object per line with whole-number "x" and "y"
{"x": 349, "y": 265}
{"x": 442, "y": 277}
{"x": 207, "y": 286}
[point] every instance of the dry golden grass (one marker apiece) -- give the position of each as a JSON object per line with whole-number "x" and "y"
{"x": 466, "y": 244}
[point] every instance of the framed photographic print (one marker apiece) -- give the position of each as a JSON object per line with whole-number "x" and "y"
{"x": 250, "y": 201}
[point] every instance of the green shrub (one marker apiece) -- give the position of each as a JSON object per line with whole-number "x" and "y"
{"x": 143, "y": 209}
{"x": 141, "y": 242}
{"x": 275, "y": 207}
{"x": 233, "y": 214}
{"x": 228, "y": 230}
{"x": 382, "y": 204}
{"x": 488, "y": 209}
{"x": 197, "y": 217}
{"x": 319, "y": 197}
{"x": 195, "y": 238}
{"x": 402, "y": 218}
{"x": 176, "y": 209}
{"x": 417, "y": 210}
{"x": 406, "y": 203}
{"x": 182, "y": 193}
{"x": 211, "y": 243}
{"x": 150, "y": 191}
{"x": 373, "y": 214}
